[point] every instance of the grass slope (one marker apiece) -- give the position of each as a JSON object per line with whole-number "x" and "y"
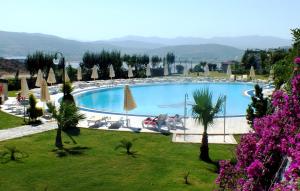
{"x": 9, "y": 121}
{"x": 158, "y": 165}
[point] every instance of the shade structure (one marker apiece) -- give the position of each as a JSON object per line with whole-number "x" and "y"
{"x": 67, "y": 79}
{"x": 129, "y": 103}
{"x": 229, "y": 72}
{"x": 252, "y": 73}
{"x": 39, "y": 78}
{"x": 271, "y": 76}
{"x": 148, "y": 70}
{"x": 206, "y": 70}
{"x": 95, "y": 73}
{"x": 130, "y": 74}
{"x": 111, "y": 71}
{"x": 166, "y": 69}
{"x": 51, "y": 77}
{"x": 45, "y": 96}
{"x": 24, "y": 87}
{"x": 79, "y": 74}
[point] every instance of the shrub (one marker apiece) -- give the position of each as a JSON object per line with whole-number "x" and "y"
{"x": 68, "y": 97}
{"x": 259, "y": 106}
{"x": 179, "y": 69}
{"x": 33, "y": 111}
{"x": 198, "y": 68}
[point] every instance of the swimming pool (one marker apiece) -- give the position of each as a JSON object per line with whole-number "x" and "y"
{"x": 155, "y": 99}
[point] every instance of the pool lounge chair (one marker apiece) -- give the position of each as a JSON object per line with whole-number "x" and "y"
{"x": 245, "y": 77}
{"x": 116, "y": 124}
{"x": 97, "y": 121}
{"x": 175, "y": 121}
{"x": 232, "y": 78}
{"x": 157, "y": 122}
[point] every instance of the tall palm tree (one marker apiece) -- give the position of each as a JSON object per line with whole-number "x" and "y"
{"x": 67, "y": 114}
{"x": 204, "y": 112}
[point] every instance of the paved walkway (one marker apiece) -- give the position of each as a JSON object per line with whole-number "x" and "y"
{"x": 25, "y": 130}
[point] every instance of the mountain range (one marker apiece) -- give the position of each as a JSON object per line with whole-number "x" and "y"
{"x": 15, "y": 44}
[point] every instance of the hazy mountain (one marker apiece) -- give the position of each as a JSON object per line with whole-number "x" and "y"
{"x": 207, "y": 52}
{"x": 20, "y": 44}
{"x": 242, "y": 42}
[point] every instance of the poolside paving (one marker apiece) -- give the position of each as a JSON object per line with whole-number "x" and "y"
{"x": 25, "y": 130}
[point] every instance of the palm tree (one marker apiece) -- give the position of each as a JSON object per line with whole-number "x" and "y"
{"x": 67, "y": 115}
{"x": 204, "y": 112}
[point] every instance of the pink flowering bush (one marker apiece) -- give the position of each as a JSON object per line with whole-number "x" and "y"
{"x": 261, "y": 152}
{"x": 297, "y": 60}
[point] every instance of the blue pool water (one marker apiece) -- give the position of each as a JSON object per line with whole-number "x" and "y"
{"x": 164, "y": 98}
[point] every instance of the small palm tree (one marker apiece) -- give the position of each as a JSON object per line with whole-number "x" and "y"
{"x": 67, "y": 114}
{"x": 127, "y": 145}
{"x": 204, "y": 112}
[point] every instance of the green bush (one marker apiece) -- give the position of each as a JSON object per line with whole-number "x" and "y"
{"x": 179, "y": 69}
{"x": 13, "y": 84}
{"x": 33, "y": 111}
{"x": 68, "y": 98}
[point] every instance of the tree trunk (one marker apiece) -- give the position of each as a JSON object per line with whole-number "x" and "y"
{"x": 204, "y": 150}
{"x": 58, "y": 139}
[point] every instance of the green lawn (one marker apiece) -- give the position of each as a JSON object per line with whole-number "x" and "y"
{"x": 13, "y": 93}
{"x": 158, "y": 165}
{"x": 9, "y": 121}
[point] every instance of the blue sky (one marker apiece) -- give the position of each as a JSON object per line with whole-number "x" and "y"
{"x": 105, "y": 19}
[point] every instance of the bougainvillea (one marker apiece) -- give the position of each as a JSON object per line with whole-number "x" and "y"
{"x": 261, "y": 153}
{"x": 297, "y": 60}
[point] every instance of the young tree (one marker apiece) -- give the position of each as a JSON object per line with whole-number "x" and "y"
{"x": 259, "y": 106}
{"x": 170, "y": 58}
{"x": 204, "y": 112}
{"x": 67, "y": 116}
{"x": 155, "y": 61}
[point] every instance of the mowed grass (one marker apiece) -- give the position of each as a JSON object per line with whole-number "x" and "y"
{"x": 13, "y": 93}
{"x": 9, "y": 121}
{"x": 157, "y": 165}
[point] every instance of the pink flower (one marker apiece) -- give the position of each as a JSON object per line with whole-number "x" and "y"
{"x": 297, "y": 60}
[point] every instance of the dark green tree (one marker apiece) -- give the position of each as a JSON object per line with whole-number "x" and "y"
{"x": 259, "y": 106}
{"x": 155, "y": 61}
{"x": 39, "y": 60}
{"x": 170, "y": 59}
{"x": 179, "y": 69}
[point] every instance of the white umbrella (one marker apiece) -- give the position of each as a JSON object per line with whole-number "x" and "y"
{"x": 67, "y": 79}
{"x": 185, "y": 71}
{"x": 271, "y": 76}
{"x": 252, "y": 73}
{"x": 166, "y": 70}
{"x": 79, "y": 74}
{"x": 111, "y": 71}
{"x": 51, "y": 77}
{"x": 148, "y": 70}
{"x": 129, "y": 103}
{"x": 206, "y": 70}
{"x": 229, "y": 73}
{"x": 44, "y": 91}
{"x": 130, "y": 74}
{"x": 39, "y": 78}
{"x": 94, "y": 73}
{"x": 24, "y": 87}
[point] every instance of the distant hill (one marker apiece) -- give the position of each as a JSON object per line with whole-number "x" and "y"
{"x": 241, "y": 42}
{"x": 20, "y": 44}
{"x": 11, "y": 66}
{"x": 207, "y": 52}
